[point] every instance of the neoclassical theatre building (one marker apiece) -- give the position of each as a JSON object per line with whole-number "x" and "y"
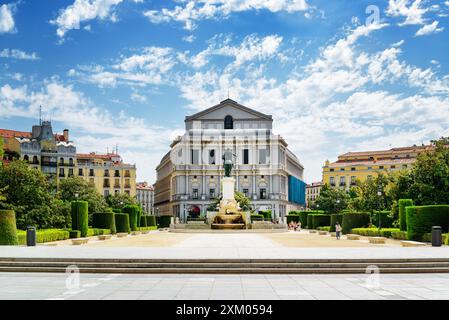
{"x": 188, "y": 176}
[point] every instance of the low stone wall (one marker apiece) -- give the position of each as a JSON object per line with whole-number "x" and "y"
{"x": 268, "y": 225}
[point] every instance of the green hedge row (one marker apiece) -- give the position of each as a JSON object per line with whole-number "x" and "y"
{"x": 74, "y": 234}
{"x": 257, "y": 217}
{"x": 327, "y": 228}
{"x": 382, "y": 219}
{"x": 355, "y": 220}
{"x": 318, "y": 220}
{"x": 122, "y": 222}
{"x": 143, "y": 222}
{"x": 266, "y": 214}
{"x": 336, "y": 217}
{"x": 8, "y": 229}
{"x": 104, "y": 220}
{"x": 427, "y": 237}
{"x": 44, "y": 235}
{"x": 293, "y": 217}
{"x": 402, "y": 204}
{"x": 148, "y": 228}
{"x": 151, "y": 221}
{"x": 164, "y": 221}
{"x": 420, "y": 220}
{"x": 97, "y": 232}
{"x": 399, "y": 235}
{"x": 374, "y": 232}
{"x": 134, "y": 216}
{"x": 80, "y": 217}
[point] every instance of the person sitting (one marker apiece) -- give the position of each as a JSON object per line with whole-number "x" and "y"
{"x": 299, "y": 225}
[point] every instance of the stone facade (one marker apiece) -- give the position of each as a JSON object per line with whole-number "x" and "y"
{"x": 189, "y": 176}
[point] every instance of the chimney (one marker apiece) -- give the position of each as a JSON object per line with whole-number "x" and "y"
{"x": 66, "y": 135}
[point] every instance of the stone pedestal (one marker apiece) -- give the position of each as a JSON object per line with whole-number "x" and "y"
{"x": 227, "y": 188}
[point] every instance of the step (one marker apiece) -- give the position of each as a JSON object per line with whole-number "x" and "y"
{"x": 228, "y": 270}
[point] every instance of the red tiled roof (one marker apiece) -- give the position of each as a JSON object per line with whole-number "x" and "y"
{"x": 5, "y": 133}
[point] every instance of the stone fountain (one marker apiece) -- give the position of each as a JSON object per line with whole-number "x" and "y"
{"x": 230, "y": 215}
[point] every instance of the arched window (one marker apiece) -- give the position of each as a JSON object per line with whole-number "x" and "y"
{"x": 26, "y": 158}
{"x": 61, "y": 161}
{"x": 228, "y": 122}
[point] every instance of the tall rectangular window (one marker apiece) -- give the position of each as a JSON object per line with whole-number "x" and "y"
{"x": 332, "y": 181}
{"x": 245, "y": 156}
{"x": 342, "y": 181}
{"x": 211, "y": 156}
{"x": 212, "y": 193}
{"x": 262, "y": 156}
{"x": 195, "y": 194}
{"x": 195, "y": 156}
{"x": 263, "y": 193}
{"x": 246, "y": 192}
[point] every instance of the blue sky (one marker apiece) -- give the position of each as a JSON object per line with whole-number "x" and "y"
{"x": 127, "y": 72}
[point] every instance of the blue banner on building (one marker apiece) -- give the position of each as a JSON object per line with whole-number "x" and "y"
{"x": 296, "y": 190}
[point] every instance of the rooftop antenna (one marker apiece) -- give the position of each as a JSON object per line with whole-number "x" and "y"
{"x": 40, "y": 115}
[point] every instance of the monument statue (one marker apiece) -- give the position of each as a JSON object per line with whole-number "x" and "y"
{"x": 228, "y": 162}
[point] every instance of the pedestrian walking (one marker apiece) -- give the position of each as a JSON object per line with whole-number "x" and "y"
{"x": 338, "y": 230}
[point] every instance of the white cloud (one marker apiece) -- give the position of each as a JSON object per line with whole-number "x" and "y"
{"x": 18, "y": 54}
{"x": 412, "y": 10}
{"x": 190, "y": 38}
{"x": 198, "y": 10}
{"x": 429, "y": 29}
{"x": 136, "y": 97}
{"x": 80, "y": 11}
{"x": 251, "y": 48}
{"x": 7, "y": 23}
{"x": 139, "y": 142}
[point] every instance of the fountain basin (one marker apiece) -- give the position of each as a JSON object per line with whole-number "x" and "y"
{"x": 228, "y": 226}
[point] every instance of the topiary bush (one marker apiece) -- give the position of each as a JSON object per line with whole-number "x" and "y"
{"x": 8, "y": 229}
{"x": 122, "y": 222}
{"x": 80, "y": 216}
{"x": 382, "y": 217}
{"x": 375, "y": 232}
{"x": 74, "y": 234}
{"x": 402, "y": 204}
{"x": 336, "y": 217}
{"x": 98, "y": 232}
{"x": 319, "y": 220}
{"x": 355, "y": 220}
{"x": 420, "y": 220}
{"x": 399, "y": 235}
{"x": 104, "y": 220}
{"x": 133, "y": 212}
{"x": 293, "y": 217}
{"x": 164, "y": 221}
{"x": 266, "y": 214}
{"x": 151, "y": 221}
{"x": 143, "y": 222}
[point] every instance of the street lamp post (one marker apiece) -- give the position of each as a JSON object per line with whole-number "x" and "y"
{"x": 379, "y": 193}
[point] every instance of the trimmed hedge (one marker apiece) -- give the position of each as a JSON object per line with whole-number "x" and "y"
{"x": 98, "y": 232}
{"x": 354, "y": 220}
{"x": 374, "y": 232}
{"x": 327, "y": 228}
{"x": 143, "y": 222}
{"x": 133, "y": 212}
{"x": 399, "y": 235}
{"x": 266, "y": 214}
{"x": 122, "y": 222}
{"x": 164, "y": 221}
{"x": 319, "y": 220}
{"x": 420, "y": 220}
{"x": 117, "y": 210}
{"x": 8, "y": 229}
{"x": 293, "y": 217}
{"x": 336, "y": 217}
{"x": 303, "y": 218}
{"x": 386, "y": 220}
{"x": 257, "y": 217}
{"x": 148, "y": 228}
{"x": 402, "y": 203}
{"x": 44, "y": 235}
{"x": 80, "y": 217}
{"x": 151, "y": 221}
{"x": 104, "y": 220}
{"x": 74, "y": 234}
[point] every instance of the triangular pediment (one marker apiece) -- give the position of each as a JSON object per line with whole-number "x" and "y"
{"x": 229, "y": 107}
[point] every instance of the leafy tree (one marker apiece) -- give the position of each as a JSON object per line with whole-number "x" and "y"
{"x": 2, "y": 151}
{"x": 214, "y": 204}
{"x": 26, "y": 191}
{"x": 430, "y": 175}
{"x": 76, "y": 188}
{"x": 120, "y": 200}
{"x": 368, "y": 199}
{"x": 331, "y": 200}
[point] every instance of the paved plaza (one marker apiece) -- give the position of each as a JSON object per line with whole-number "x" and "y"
{"x": 224, "y": 287}
{"x": 289, "y": 245}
